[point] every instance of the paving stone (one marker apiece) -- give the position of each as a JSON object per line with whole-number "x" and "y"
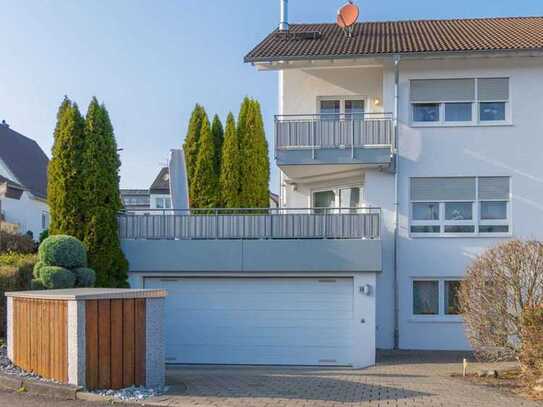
{"x": 400, "y": 379}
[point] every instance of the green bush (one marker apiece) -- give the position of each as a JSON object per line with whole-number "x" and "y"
{"x": 84, "y": 277}
{"x": 37, "y": 284}
{"x": 43, "y": 235}
{"x": 24, "y": 264}
{"x": 37, "y": 268}
{"x": 14, "y": 242}
{"x": 55, "y": 277}
{"x": 15, "y": 275}
{"x": 63, "y": 251}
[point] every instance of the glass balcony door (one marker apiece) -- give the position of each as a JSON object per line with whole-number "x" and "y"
{"x": 338, "y": 200}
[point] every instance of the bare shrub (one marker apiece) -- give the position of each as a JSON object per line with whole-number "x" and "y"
{"x": 531, "y": 355}
{"x": 500, "y": 285}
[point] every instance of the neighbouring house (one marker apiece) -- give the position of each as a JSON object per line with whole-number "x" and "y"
{"x": 408, "y": 143}
{"x": 135, "y": 199}
{"x": 143, "y": 201}
{"x": 159, "y": 192}
{"x": 23, "y": 183}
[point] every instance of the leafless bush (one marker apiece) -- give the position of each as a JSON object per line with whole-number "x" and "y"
{"x": 531, "y": 355}
{"x": 500, "y": 285}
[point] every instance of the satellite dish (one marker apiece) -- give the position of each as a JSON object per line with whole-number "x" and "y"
{"x": 347, "y": 16}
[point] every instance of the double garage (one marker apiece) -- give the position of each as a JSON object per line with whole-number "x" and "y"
{"x": 272, "y": 320}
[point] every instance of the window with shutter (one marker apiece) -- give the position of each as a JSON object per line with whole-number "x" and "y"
{"x": 459, "y": 101}
{"x": 452, "y": 206}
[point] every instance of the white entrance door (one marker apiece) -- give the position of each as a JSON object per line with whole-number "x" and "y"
{"x": 269, "y": 321}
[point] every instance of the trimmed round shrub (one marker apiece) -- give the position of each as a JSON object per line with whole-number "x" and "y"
{"x": 63, "y": 251}
{"x": 37, "y": 269}
{"x": 84, "y": 277}
{"x": 54, "y": 277}
{"x": 37, "y": 285}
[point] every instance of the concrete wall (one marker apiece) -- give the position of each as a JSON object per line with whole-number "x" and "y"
{"x": 253, "y": 255}
{"x": 504, "y": 150}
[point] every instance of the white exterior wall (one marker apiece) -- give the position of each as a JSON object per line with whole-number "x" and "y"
{"x": 25, "y": 212}
{"x": 468, "y": 151}
{"x": 153, "y": 197}
{"x": 510, "y": 150}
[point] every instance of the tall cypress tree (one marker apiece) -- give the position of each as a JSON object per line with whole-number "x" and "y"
{"x": 230, "y": 176}
{"x": 204, "y": 185}
{"x": 262, "y": 158}
{"x": 102, "y": 204}
{"x": 65, "y": 191}
{"x": 192, "y": 140}
{"x": 254, "y": 159}
{"x": 218, "y": 139}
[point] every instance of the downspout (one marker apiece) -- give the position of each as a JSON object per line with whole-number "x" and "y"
{"x": 396, "y": 60}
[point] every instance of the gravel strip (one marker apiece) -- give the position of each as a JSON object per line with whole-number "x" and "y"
{"x": 129, "y": 394}
{"x": 132, "y": 393}
{"x": 9, "y": 368}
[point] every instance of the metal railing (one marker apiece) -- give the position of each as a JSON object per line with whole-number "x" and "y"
{"x": 273, "y": 223}
{"x": 333, "y": 130}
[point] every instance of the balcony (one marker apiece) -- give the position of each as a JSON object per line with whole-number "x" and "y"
{"x": 237, "y": 240}
{"x": 366, "y": 139}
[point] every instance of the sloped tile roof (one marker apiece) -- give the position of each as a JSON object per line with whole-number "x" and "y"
{"x": 403, "y": 37}
{"x": 161, "y": 184}
{"x": 25, "y": 159}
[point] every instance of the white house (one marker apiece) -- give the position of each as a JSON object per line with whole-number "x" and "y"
{"x": 403, "y": 152}
{"x": 23, "y": 182}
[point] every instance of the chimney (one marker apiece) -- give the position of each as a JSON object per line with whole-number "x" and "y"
{"x": 283, "y": 24}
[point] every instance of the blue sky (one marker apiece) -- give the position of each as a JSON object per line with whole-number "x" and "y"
{"x": 151, "y": 61}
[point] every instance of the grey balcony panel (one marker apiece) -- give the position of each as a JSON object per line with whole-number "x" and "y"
{"x": 312, "y": 255}
{"x": 366, "y": 156}
{"x": 366, "y": 138}
{"x": 247, "y": 224}
{"x": 253, "y": 256}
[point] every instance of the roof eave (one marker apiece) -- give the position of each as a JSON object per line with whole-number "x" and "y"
{"x": 413, "y": 55}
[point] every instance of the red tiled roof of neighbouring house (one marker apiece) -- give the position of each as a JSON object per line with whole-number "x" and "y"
{"x": 402, "y": 37}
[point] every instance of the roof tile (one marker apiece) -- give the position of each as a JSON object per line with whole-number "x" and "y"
{"x": 405, "y": 37}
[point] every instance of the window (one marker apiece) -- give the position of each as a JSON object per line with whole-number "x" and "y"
{"x": 451, "y": 305}
{"x": 349, "y": 108}
{"x": 425, "y": 298}
{"x": 492, "y": 111}
{"x": 460, "y": 205}
{"x": 459, "y": 101}
{"x": 354, "y": 109}
{"x": 435, "y": 298}
{"x": 324, "y": 199}
{"x": 44, "y": 220}
{"x": 458, "y": 112}
{"x": 426, "y": 112}
{"x": 345, "y": 198}
{"x": 163, "y": 203}
{"x": 330, "y": 108}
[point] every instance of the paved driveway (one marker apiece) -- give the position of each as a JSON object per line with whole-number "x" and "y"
{"x": 399, "y": 379}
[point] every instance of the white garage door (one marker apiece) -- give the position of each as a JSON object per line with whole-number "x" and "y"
{"x": 269, "y": 321}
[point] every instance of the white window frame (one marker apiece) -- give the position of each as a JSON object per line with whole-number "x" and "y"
{"x": 337, "y": 191}
{"x": 45, "y": 220}
{"x": 342, "y": 100}
{"x": 476, "y": 220}
{"x": 475, "y": 109}
{"x": 441, "y": 316}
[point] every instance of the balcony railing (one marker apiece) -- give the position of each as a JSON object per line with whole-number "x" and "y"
{"x": 314, "y": 131}
{"x": 276, "y": 223}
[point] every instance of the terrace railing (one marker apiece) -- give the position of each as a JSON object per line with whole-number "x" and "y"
{"x": 334, "y": 131}
{"x": 276, "y": 223}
